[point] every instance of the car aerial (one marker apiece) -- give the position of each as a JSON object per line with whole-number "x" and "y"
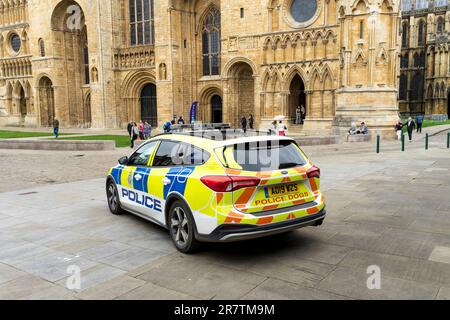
{"x": 205, "y": 187}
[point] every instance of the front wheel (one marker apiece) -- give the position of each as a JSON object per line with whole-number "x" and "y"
{"x": 182, "y": 228}
{"x": 113, "y": 198}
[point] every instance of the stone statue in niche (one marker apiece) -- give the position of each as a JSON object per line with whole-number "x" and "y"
{"x": 162, "y": 71}
{"x": 94, "y": 75}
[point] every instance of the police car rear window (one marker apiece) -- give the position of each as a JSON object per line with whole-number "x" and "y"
{"x": 264, "y": 156}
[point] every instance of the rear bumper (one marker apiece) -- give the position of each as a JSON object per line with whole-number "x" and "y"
{"x": 236, "y": 232}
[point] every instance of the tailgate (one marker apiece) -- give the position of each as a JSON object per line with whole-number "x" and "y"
{"x": 276, "y": 190}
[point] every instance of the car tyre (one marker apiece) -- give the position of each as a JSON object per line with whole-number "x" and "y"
{"x": 182, "y": 228}
{"x": 112, "y": 195}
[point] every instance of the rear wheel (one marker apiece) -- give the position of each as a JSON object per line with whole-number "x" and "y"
{"x": 182, "y": 228}
{"x": 113, "y": 198}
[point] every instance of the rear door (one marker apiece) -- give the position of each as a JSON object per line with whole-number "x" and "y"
{"x": 282, "y": 169}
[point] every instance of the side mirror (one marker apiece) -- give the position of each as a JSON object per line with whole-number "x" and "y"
{"x": 123, "y": 161}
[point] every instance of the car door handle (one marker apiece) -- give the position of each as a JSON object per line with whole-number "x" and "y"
{"x": 138, "y": 177}
{"x": 166, "y": 181}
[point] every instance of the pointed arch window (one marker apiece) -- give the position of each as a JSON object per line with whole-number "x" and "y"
{"x": 211, "y": 43}
{"x": 420, "y": 34}
{"x": 405, "y": 35}
{"x": 142, "y": 22}
{"x": 440, "y": 25}
{"x": 41, "y": 47}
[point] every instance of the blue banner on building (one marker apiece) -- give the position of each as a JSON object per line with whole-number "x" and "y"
{"x": 193, "y": 114}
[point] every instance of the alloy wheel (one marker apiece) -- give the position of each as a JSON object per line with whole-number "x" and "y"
{"x": 179, "y": 226}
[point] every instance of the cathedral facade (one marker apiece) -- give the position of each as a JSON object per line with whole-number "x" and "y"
{"x": 102, "y": 63}
{"x": 424, "y": 61}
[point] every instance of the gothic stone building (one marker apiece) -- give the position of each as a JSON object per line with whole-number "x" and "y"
{"x": 424, "y": 61}
{"x": 101, "y": 63}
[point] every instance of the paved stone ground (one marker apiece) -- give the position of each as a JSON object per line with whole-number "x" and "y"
{"x": 391, "y": 210}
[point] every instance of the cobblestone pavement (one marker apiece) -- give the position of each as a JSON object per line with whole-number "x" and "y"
{"x": 391, "y": 210}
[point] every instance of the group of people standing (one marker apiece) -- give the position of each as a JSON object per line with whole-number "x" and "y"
{"x": 168, "y": 125}
{"x": 277, "y": 128}
{"x": 142, "y": 131}
{"x": 411, "y": 125}
{"x": 300, "y": 114}
{"x": 251, "y": 122}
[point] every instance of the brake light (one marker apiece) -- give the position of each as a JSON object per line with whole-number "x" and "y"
{"x": 229, "y": 183}
{"x": 313, "y": 172}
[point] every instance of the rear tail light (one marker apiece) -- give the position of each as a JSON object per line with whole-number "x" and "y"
{"x": 313, "y": 172}
{"x": 229, "y": 183}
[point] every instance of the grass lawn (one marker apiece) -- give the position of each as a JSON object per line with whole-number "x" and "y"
{"x": 432, "y": 123}
{"x": 121, "y": 141}
{"x": 6, "y": 134}
{"x": 427, "y": 123}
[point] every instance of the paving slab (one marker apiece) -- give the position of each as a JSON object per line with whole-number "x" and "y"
{"x": 207, "y": 281}
{"x": 151, "y": 291}
{"x": 352, "y": 282}
{"x": 273, "y": 289}
{"x": 111, "y": 289}
{"x": 440, "y": 254}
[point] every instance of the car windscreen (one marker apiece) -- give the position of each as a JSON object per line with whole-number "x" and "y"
{"x": 263, "y": 155}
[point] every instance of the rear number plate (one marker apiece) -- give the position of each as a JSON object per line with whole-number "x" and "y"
{"x": 280, "y": 190}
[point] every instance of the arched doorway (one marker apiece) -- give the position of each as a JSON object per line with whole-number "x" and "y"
{"x": 149, "y": 105}
{"x": 297, "y": 96}
{"x": 216, "y": 109}
{"x": 46, "y": 102}
{"x": 70, "y": 38}
{"x": 242, "y": 91}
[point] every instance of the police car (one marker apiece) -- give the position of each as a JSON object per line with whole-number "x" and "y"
{"x": 207, "y": 187}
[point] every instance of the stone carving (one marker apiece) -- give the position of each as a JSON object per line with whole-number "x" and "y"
{"x": 134, "y": 57}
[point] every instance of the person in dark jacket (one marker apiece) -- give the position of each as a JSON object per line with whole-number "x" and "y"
{"x": 410, "y": 126}
{"x": 251, "y": 121}
{"x": 399, "y": 129}
{"x": 129, "y": 127}
{"x": 180, "y": 120}
{"x": 244, "y": 124}
{"x": 419, "y": 120}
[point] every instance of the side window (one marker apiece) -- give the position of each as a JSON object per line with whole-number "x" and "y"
{"x": 142, "y": 155}
{"x": 191, "y": 155}
{"x": 166, "y": 154}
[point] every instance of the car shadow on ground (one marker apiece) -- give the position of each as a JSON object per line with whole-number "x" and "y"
{"x": 294, "y": 242}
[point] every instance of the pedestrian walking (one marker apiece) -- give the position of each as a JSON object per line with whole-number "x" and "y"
{"x": 244, "y": 123}
{"x": 281, "y": 128}
{"x": 410, "y": 126}
{"x": 273, "y": 128}
{"x": 141, "y": 130}
{"x": 251, "y": 121}
{"x": 56, "y": 128}
{"x": 129, "y": 127}
{"x": 419, "y": 120}
{"x": 147, "y": 130}
{"x": 399, "y": 129}
{"x": 134, "y": 133}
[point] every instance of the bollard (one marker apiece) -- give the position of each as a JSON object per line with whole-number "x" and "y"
{"x": 426, "y": 141}
{"x": 448, "y": 140}
{"x": 378, "y": 143}
{"x": 403, "y": 141}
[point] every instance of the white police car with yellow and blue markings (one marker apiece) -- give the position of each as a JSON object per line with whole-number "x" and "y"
{"x": 206, "y": 189}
